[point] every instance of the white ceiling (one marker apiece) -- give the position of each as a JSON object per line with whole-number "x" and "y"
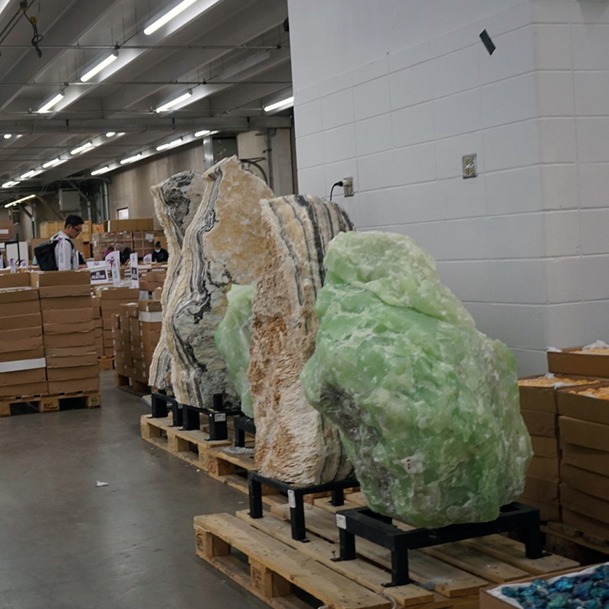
{"x": 231, "y": 55}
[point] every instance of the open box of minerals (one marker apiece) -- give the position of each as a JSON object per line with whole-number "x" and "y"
{"x": 561, "y": 583}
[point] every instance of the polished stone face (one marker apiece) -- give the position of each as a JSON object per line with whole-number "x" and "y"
{"x": 223, "y": 245}
{"x": 175, "y": 202}
{"x": 427, "y": 406}
{"x": 294, "y": 443}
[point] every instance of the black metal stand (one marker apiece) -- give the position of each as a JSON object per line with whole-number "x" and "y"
{"x": 161, "y": 403}
{"x": 243, "y": 425}
{"x": 377, "y": 528}
{"x": 295, "y": 498}
{"x": 217, "y": 417}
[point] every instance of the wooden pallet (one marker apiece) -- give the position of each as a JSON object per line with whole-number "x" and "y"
{"x": 575, "y": 544}
{"x": 132, "y": 385}
{"x": 49, "y": 403}
{"x": 191, "y": 446}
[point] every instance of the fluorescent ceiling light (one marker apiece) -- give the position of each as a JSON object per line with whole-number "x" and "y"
{"x": 280, "y": 105}
{"x": 7, "y": 136}
{"x": 131, "y": 159}
{"x": 174, "y": 102}
{"x": 86, "y": 146}
{"x": 96, "y": 69}
{"x": 202, "y": 133}
{"x": 168, "y": 16}
{"x": 170, "y": 144}
{"x": 53, "y": 163}
{"x": 101, "y": 170}
{"x": 22, "y": 200}
{"x": 48, "y": 105}
{"x": 30, "y": 174}
{"x": 10, "y": 184}
{"x": 110, "y": 133}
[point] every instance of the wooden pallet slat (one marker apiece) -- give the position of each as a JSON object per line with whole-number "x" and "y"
{"x": 276, "y": 569}
{"x": 49, "y": 403}
{"x": 132, "y": 385}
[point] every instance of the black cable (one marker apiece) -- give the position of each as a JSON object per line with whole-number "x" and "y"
{"x": 37, "y": 37}
{"x": 339, "y": 183}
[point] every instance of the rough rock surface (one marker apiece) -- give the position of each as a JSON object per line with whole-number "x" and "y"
{"x": 175, "y": 203}
{"x": 294, "y": 443}
{"x": 427, "y": 405}
{"x": 233, "y": 341}
{"x": 224, "y": 244}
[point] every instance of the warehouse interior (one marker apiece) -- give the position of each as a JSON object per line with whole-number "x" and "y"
{"x": 476, "y": 128}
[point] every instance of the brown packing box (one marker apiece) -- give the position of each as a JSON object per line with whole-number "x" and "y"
{"x": 68, "y": 374}
{"x": 539, "y": 397}
{"x": 76, "y": 339}
{"x": 11, "y": 295}
{"x": 151, "y": 306}
{"x": 12, "y": 356}
{"x": 20, "y": 321}
{"x": 130, "y": 309}
{"x": 11, "y": 342}
{"x": 543, "y": 468}
{"x": 13, "y": 309}
{"x": 545, "y": 447}
{"x": 585, "y": 524}
{"x": 591, "y": 483}
{"x": 540, "y": 423}
{"x": 75, "y": 386}
{"x": 54, "y": 278}
{"x": 589, "y": 459}
{"x": 14, "y": 280}
{"x": 66, "y": 316}
{"x": 63, "y": 291}
{"x": 22, "y": 377}
{"x": 573, "y": 403}
{"x": 78, "y": 326}
{"x": 582, "y": 503}
{"x": 9, "y": 336}
{"x": 584, "y": 433}
{"x": 110, "y": 293}
{"x": 67, "y": 302}
{"x": 33, "y": 388}
{"x": 568, "y": 361}
{"x": 71, "y": 361}
{"x": 83, "y": 350}
{"x": 490, "y": 601}
{"x": 547, "y": 511}
{"x": 544, "y": 491}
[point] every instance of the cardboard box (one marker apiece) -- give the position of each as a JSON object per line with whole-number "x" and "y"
{"x": 83, "y": 350}
{"x": 111, "y": 293}
{"x": 13, "y": 309}
{"x": 544, "y": 469}
{"x": 23, "y": 377}
{"x": 584, "y": 433}
{"x": 69, "y": 374}
{"x": 66, "y": 316}
{"x": 10, "y": 336}
{"x": 67, "y": 302}
{"x": 545, "y": 447}
{"x": 77, "y": 339}
{"x": 29, "y": 355}
{"x": 21, "y": 294}
{"x": 77, "y": 326}
{"x": 14, "y": 280}
{"x": 571, "y": 361}
{"x": 573, "y": 403}
{"x": 37, "y": 388}
{"x": 543, "y": 491}
{"x": 56, "y": 278}
{"x": 75, "y": 386}
{"x": 151, "y": 306}
{"x": 21, "y": 343}
{"x": 584, "y": 524}
{"x": 71, "y": 361}
{"x": 540, "y": 423}
{"x": 17, "y": 322}
{"x": 589, "y": 459}
{"x": 62, "y": 291}
{"x": 585, "y": 481}
{"x": 584, "y": 504}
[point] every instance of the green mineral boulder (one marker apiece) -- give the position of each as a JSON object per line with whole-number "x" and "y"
{"x": 232, "y": 338}
{"x": 427, "y": 406}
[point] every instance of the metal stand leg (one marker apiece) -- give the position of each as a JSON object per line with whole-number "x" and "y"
{"x": 297, "y": 517}
{"x": 191, "y": 418}
{"x": 399, "y": 566}
{"x": 255, "y": 496}
{"x": 347, "y": 544}
{"x": 338, "y": 496}
{"x": 177, "y": 411}
{"x": 218, "y": 429}
{"x": 158, "y": 406}
{"x": 533, "y": 542}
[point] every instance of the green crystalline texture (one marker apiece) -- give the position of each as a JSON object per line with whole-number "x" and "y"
{"x": 427, "y": 406}
{"x": 232, "y": 339}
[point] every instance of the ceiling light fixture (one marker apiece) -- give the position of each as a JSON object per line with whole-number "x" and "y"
{"x": 169, "y": 15}
{"x": 86, "y": 146}
{"x": 101, "y": 170}
{"x": 46, "y": 107}
{"x": 110, "y": 133}
{"x": 8, "y": 136}
{"x": 10, "y": 184}
{"x": 280, "y": 105}
{"x": 170, "y": 145}
{"x": 96, "y": 69}
{"x": 22, "y": 200}
{"x": 54, "y": 163}
{"x": 30, "y": 174}
{"x": 202, "y": 133}
{"x": 174, "y": 102}
{"x": 131, "y": 159}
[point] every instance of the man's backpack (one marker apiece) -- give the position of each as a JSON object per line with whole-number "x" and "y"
{"x": 45, "y": 256}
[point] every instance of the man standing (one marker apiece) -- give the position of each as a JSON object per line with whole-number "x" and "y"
{"x": 66, "y": 255}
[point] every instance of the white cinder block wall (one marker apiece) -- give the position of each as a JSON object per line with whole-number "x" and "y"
{"x": 394, "y": 92}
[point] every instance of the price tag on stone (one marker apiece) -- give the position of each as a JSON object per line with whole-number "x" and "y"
{"x": 220, "y": 417}
{"x": 341, "y": 522}
{"x": 291, "y": 499}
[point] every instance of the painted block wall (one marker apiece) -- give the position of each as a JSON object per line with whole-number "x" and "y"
{"x": 394, "y": 97}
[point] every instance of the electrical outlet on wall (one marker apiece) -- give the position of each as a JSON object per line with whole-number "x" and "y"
{"x": 348, "y": 187}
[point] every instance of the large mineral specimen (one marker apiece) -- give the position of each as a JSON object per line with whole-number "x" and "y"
{"x": 294, "y": 443}
{"x": 175, "y": 202}
{"x": 224, "y": 244}
{"x": 427, "y": 405}
{"x": 233, "y": 341}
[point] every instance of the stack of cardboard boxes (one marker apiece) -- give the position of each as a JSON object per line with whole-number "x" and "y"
{"x": 22, "y": 363}
{"x": 138, "y": 235}
{"x": 137, "y": 330}
{"x": 110, "y": 299}
{"x": 152, "y": 281}
{"x": 98, "y": 326}
{"x": 68, "y": 329}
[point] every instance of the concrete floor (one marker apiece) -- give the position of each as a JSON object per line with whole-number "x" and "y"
{"x": 66, "y": 544}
